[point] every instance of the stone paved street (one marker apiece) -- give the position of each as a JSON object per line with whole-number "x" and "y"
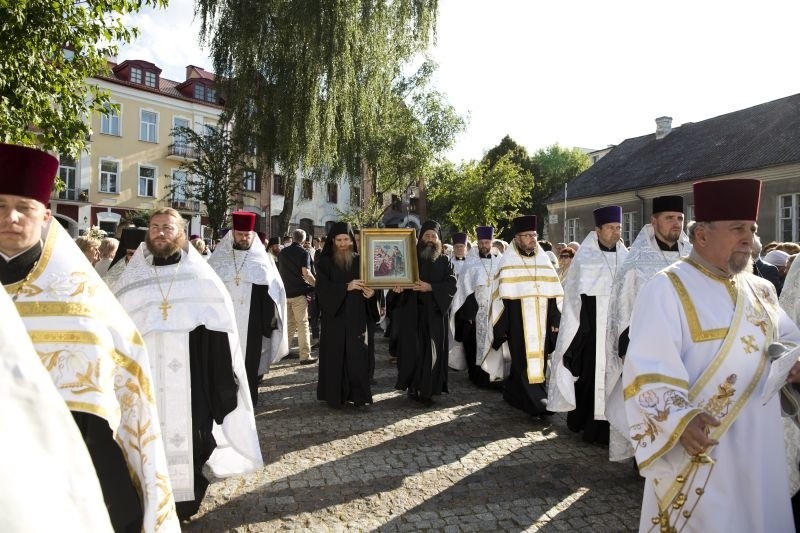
{"x": 469, "y": 463}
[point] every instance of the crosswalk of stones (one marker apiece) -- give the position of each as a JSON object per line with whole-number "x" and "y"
{"x": 469, "y": 463}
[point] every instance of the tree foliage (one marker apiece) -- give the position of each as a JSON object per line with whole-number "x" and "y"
{"x": 312, "y": 83}
{"x": 215, "y": 167}
{"x": 43, "y": 90}
{"x": 476, "y": 194}
{"x": 363, "y": 217}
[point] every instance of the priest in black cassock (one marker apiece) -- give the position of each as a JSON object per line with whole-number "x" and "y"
{"x": 347, "y": 305}
{"x": 259, "y": 298}
{"x": 524, "y": 317}
{"x": 185, "y": 315}
{"x": 421, "y": 316}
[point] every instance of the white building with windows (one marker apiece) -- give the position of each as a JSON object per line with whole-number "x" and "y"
{"x": 761, "y": 142}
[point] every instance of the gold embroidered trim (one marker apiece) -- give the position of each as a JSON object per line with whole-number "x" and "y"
{"x": 87, "y": 337}
{"x": 698, "y": 333}
{"x": 673, "y": 438}
{"x": 524, "y": 279}
{"x": 44, "y": 260}
{"x": 728, "y": 282}
{"x": 39, "y": 309}
{"x": 646, "y": 379}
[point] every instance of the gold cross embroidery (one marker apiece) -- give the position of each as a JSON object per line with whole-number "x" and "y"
{"x": 749, "y": 344}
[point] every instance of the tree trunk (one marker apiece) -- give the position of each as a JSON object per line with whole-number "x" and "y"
{"x": 288, "y": 205}
{"x": 367, "y": 184}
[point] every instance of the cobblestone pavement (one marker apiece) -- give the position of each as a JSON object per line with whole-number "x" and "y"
{"x": 469, "y": 463}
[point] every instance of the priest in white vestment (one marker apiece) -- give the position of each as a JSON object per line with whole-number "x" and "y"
{"x": 259, "y": 299}
{"x": 578, "y": 374}
{"x": 46, "y": 445}
{"x": 91, "y": 349}
{"x": 187, "y": 320}
{"x": 659, "y": 244}
{"x": 709, "y": 444}
{"x": 471, "y": 308}
{"x": 524, "y": 320}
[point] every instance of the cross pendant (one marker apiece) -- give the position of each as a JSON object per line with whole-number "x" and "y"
{"x": 164, "y": 306}
{"x": 237, "y": 279}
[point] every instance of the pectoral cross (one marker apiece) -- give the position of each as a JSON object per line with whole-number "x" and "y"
{"x": 164, "y": 307}
{"x": 237, "y": 279}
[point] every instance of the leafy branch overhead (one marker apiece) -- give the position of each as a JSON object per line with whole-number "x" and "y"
{"x": 50, "y": 50}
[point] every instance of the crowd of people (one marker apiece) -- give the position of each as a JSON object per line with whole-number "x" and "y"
{"x": 145, "y": 352}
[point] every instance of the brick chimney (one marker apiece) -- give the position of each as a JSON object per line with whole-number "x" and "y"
{"x": 663, "y": 127}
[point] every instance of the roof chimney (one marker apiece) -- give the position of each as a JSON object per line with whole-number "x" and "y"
{"x": 663, "y": 127}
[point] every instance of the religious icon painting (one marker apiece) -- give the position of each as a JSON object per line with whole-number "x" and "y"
{"x": 389, "y": 257}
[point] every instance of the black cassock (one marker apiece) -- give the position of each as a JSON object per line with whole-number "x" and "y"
{"x": 466, "y": 334}
{"x": 419, "y": 327}
{"x": 344, "y": 364}
{"x": 580, "y": 359}
{"x": 260, "y": 324}
{"x": 530, "y": 397}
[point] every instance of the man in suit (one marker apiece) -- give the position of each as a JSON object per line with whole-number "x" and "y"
{"x": 763, "y": 269}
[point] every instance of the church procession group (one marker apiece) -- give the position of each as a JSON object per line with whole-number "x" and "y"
{"x": 674, "y": 352}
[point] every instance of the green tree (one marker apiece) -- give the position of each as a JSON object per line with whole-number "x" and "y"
{"x": 214, "y": 171}
{"x": 308, "y": 81}
{"x": 476, "y": 194}
{"x": 50, "y": 50}
{"x": 553, "y": 167}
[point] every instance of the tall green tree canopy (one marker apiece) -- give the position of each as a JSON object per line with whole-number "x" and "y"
{"x": 308, "y": 81}
{"x": 43, "y": 89}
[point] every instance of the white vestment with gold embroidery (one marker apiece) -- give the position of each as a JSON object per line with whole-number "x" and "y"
{"x": 698, "y": 343}
{"x": 592, "y": 273}
{"x": 644, "y": 260}
{"x": 196, "y": 297}
{"x": 98, "y": 362}
{"x": 254, "y": 267}
{"x": 532, "y": 281}
{"x": 44, "y": 463}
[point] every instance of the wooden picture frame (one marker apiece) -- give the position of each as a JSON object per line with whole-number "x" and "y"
{"x": 389, "y": 257}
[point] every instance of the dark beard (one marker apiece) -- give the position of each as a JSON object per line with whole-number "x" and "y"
{"x": 169, "y": 250}
{"x": 430, "y": 251}
{"x": 241, "y": 247}
{"x": 343, "y": 259}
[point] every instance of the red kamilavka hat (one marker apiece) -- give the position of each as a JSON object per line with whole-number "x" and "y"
{"x": 735, "y": 199}
{"x": 27, "y": 172}
{"x": 244, "y": 220}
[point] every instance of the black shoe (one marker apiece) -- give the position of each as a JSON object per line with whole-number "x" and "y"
{"x": 309, "y": 361}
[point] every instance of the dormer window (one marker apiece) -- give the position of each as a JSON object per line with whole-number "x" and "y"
{"x": 150, "y": 79}
{"x": 198, "y": 91}
{"x": 136, "y": 75}
{"x": 211, "y": 95}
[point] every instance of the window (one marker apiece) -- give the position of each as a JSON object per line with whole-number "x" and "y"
{"x": 571, "y": 230}
{"x": 689, "y": 214}
{"x": 306, "y": 189}
{"x": 109, "y": 121}
{"x": 250, "y": 182}
{"x": 278, "y": 185}
{"x": 211, "y": 96}
{"x": 180, "y": 144}
{"x": 788, "y": 217}
{"x": 109, "y": 176}
{"x": 178, "y": 189}
{"x": 628, "y": 227}
{"x": 147, "y": 181}
{"x": 66, "y": 171}
{"x": 355, "y": 195}
{"x": 148, "y": 126}
{"x": 136, "y": 75}
{"x": 150, "y": 79}
{"x": 332, "y": 193}
{"x": 198, "y": 91}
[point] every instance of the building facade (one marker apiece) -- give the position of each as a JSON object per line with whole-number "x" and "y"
{"x": 761, "y": 142}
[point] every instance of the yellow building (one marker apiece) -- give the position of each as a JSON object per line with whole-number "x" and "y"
{"x": 132, "y": 157}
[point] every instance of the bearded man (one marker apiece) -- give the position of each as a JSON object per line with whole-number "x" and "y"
{"x": 581, "y": 347}
{"x": 709, "y": 444}
{"x": 186, "y": 317}
{"x": 91, "y": 349}
{"x": 659, "y": 244}
{"x": 524, "y": 320}
{"x": 258, "y": 296}
{"x": 420, "y": 317}
{"x": 347, "y": 305}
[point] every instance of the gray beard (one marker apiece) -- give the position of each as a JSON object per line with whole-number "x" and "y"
{"x": 343, "y": 260}
{"x": 429, "y": 253}
{"x": 737, "y": 264}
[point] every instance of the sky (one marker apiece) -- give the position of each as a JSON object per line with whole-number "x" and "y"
{"x": 585, "y": 74}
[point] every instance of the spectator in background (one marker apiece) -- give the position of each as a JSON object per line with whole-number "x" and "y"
{"x": 764, "y": 269}
{"x": 778, "y": 258}
{"x": 90, "y": 248}
{"x": 790, "y": 248}
{"x": 564, "y": 261}
{"x": 108, "y": 247}
{"x": 294, "y": 266}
